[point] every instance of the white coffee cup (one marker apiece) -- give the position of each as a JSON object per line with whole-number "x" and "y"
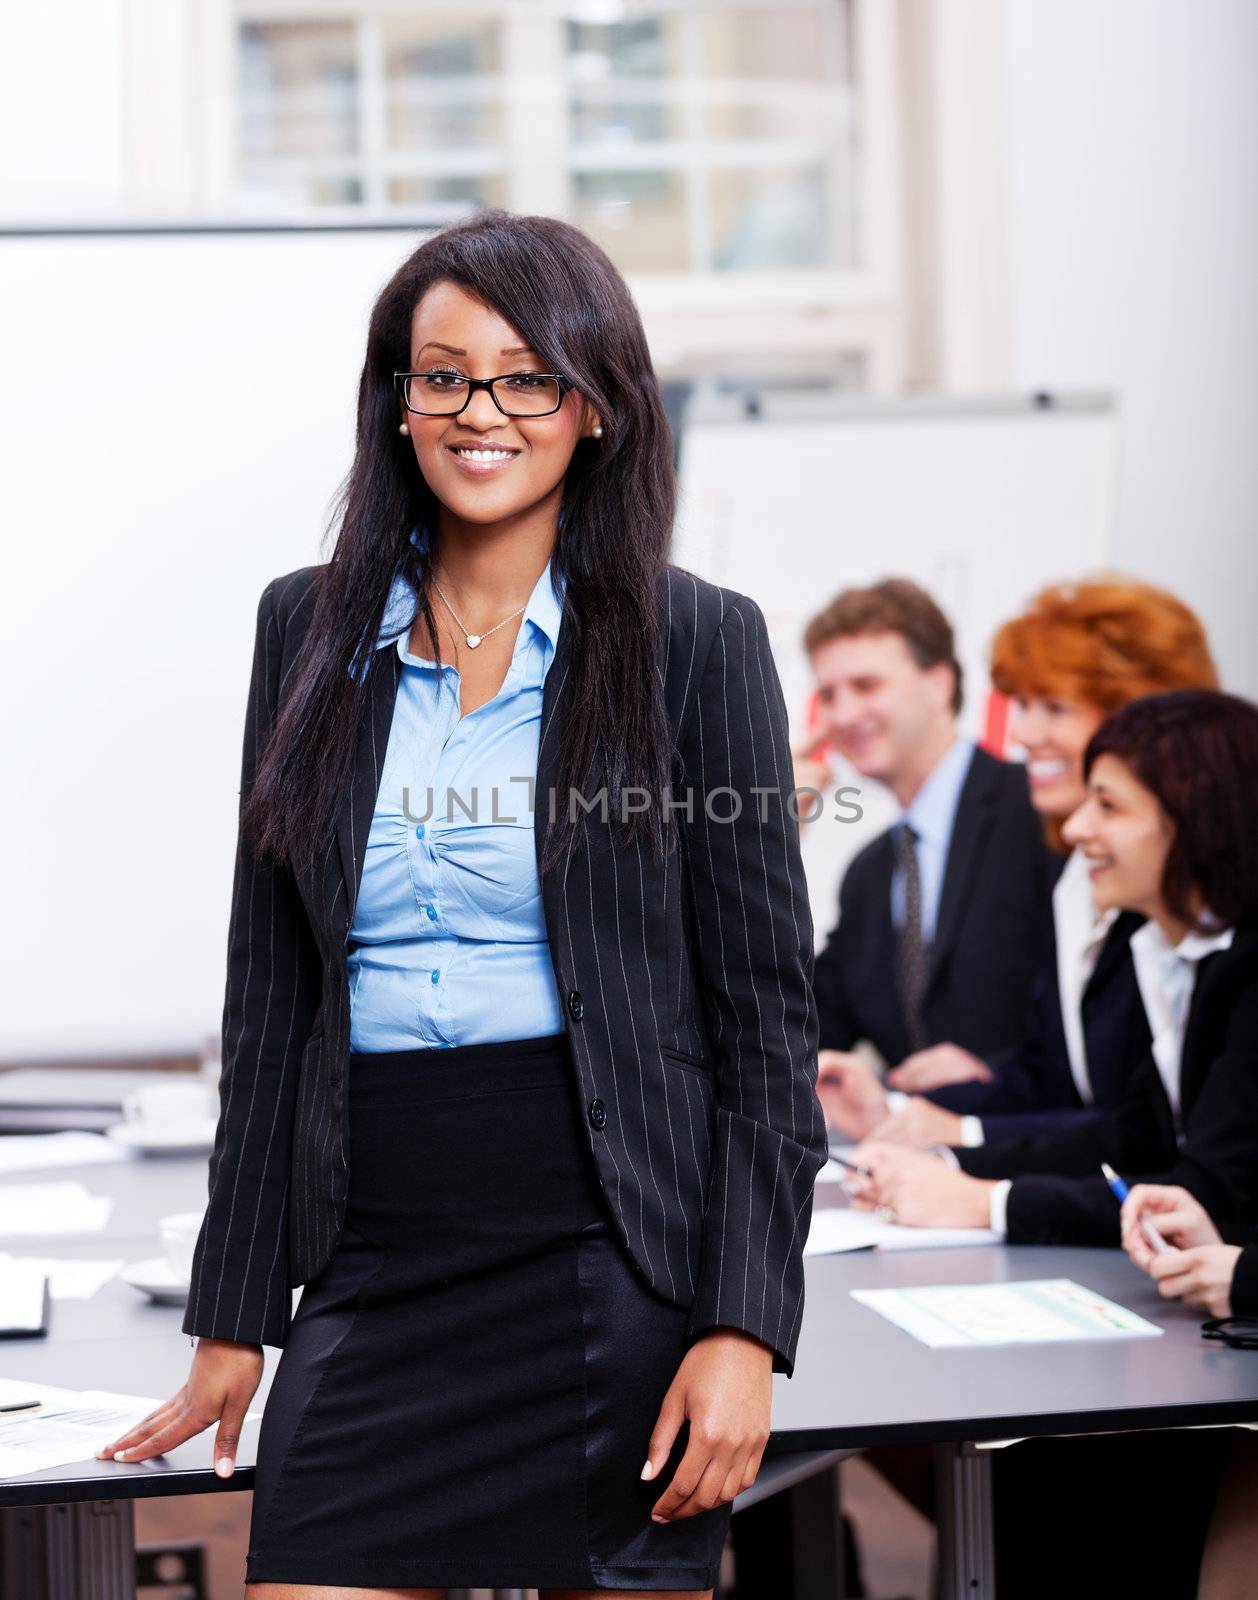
{"x": 179, "y": 1237}
{"x": 166, "y": 1106}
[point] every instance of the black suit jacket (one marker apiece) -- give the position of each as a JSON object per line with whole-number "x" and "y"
{"x": 987, "y": 935}
{"x": 686, "y": 982}
{"x": 1033, "y": 1093}
{"x": 1217, "y": 1156}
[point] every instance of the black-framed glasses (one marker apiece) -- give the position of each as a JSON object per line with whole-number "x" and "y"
{"x": 1239, "y": 1332}
{"x": 516, "y": 394}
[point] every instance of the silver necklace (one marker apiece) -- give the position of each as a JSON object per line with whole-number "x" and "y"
{"x": 473, "y": 639}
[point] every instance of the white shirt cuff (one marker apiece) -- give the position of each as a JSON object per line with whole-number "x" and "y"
{"x": 896, "y": 1101}
{"x": 971, "y": 1132}
{"x": 997, "y": 1205}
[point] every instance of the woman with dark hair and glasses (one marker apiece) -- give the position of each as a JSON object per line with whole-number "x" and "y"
{"x": 1167, "y": 831}
{"x": 519, "y": 1050}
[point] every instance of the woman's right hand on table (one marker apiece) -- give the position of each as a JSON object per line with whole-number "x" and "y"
{"x": 223, "y": 1379}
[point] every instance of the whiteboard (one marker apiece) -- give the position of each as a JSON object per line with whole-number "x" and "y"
{"x": 981, "y": 501}
{"x": 177, "y": 411}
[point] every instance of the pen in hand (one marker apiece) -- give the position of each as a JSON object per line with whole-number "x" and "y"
{"x": 852, "y": 1166}
{"x": 1155, "y": 1240}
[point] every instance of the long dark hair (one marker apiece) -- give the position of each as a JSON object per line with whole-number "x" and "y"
{"x": 570, "y": 304}
{"x": 1196, "y": 751}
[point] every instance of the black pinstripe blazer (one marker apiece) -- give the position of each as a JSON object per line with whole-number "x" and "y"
{"x": 686, "y": 982}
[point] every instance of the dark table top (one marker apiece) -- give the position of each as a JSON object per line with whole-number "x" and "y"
{"x": 859, "y": 1380}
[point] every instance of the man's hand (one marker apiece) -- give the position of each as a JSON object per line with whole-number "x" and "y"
{"x": 724, "y": 1390}
{"x": 918, "y": 1189}
{"x": 224, "y": 1377}
{"x": 918, "y": 1124}
{"x": 853, "y": 1100}
{"x": 930, "y": 1069}
{"x": 812, "y": 771}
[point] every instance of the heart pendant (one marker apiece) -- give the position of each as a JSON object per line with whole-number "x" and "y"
{"x": 473, "y": 639}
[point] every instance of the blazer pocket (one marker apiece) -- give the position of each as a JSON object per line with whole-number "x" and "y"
{"x": 695, "y": 1064}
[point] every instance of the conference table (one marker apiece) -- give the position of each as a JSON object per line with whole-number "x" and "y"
{"x": 859, "y": 1381}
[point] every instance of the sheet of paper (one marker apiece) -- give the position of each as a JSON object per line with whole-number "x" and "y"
{"x": 1040, "y": 1311}
{"x": 69, "y": 1279}
{"x": 62, "y": 1207}
{"x": 897, "y": 1237}
{"x": 836, "y": 1229}
{"x": 832, "y": 1232}
{"x": 28, "y": 1152}
{"x": 70, "y": 1425}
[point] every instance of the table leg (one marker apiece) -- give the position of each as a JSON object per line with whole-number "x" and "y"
{"x": 963, "y": 1510}
{"x": 69, "y": 1551}
{"x": 788, "y": 1540}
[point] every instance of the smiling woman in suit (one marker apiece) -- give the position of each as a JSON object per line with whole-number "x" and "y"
{"x": 519, "y": 1050}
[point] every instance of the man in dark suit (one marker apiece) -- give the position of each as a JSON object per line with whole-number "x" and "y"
{"x": 940, "y": 917}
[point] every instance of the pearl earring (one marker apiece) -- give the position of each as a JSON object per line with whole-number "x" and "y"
{"x": 596, "y": 432}
{"x": 403, "y": 428}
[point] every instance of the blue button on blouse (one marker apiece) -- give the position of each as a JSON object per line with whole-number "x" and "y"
{"x": 448, "y": 941}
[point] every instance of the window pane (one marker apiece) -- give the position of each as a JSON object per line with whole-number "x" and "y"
{"x": 298, "y": 90}
{"x": 768, "y": 217}
{"x": 442, "y": 82}
{"x": 639, "y": 218}
{"x": 619, "y": 75}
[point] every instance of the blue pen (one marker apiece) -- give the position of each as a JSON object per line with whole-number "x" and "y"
{"x": 1156, "y": 1242}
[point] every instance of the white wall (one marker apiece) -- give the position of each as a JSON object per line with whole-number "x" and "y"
{"x": 1132, "y": 176}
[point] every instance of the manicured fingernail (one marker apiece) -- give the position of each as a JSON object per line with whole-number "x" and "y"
{"x": 654, "y": 1518}
{"x": 120, "y": 1455}
{"x": 223, "y": 1466}
{"x": 648, "y": 1471}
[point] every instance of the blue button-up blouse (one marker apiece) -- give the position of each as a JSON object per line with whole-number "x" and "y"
{"x": 448, "y": 944}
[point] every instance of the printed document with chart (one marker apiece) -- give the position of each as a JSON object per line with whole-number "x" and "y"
{"x": 1039, "y": 1311}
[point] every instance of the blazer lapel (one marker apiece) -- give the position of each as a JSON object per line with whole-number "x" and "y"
{"x": 550, "y": 737}
{"x": 358, "y": 799}
{"x": 1113, "y": 950}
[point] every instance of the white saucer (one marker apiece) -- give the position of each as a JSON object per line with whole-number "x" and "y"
{"x": 157, "y": 1279}
{"x": 183, "y": 1139}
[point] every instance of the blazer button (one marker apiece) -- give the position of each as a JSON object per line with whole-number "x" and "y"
{"x": 576, "y": 1007}
{"x": 598, "y": 1114}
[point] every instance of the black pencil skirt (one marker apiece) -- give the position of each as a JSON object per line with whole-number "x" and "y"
{"x": 468, "y": 1388}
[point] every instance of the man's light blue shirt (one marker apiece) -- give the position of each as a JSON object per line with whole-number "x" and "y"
{"x": 932, "y": 814}
{"x": 448, "y": 941}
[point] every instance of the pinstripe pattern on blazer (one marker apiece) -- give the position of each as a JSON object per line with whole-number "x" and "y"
{"x": 686, "y": 981}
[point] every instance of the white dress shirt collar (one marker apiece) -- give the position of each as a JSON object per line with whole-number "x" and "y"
{"x": 1080, "y": 931}
{"x": 1166, "y": 974}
